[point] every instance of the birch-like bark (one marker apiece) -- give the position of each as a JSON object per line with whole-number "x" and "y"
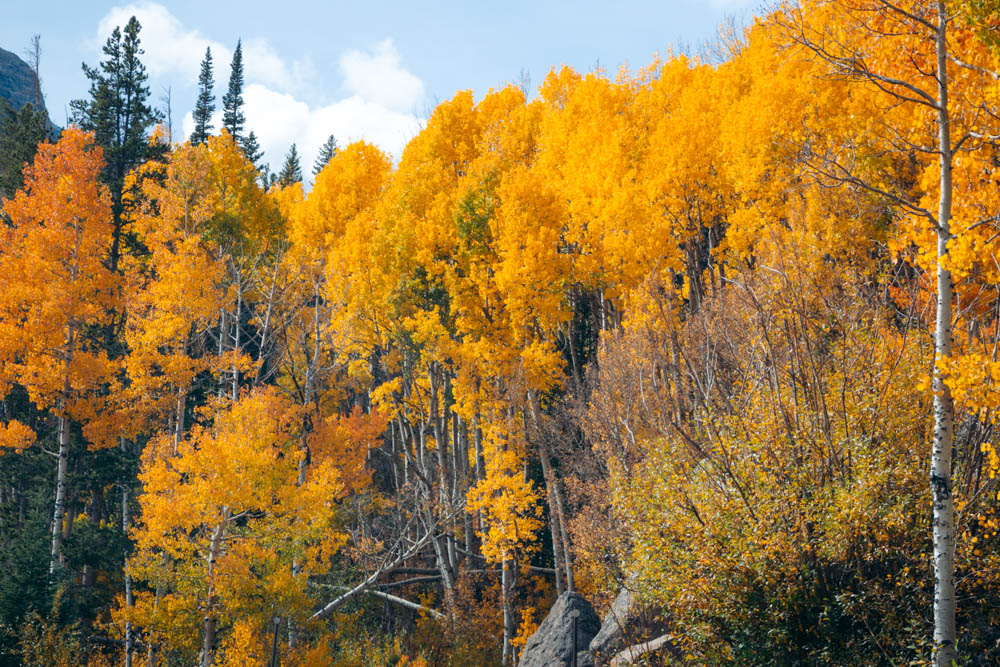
{"x": 477, "y": 441}
{"x": 557, "y": 544}
{"x": 222, "y": 349}
{"x": 62, "y": 466}
{"x": 129, "y": 601}
{"x": 944, "y": 410}
{"x": 181, "y": 406}
{"x": 209, "y": 622}
{"x": 508, "y": 617}
{"x": 236, "y": 338}
{"x": 557, "y": 513}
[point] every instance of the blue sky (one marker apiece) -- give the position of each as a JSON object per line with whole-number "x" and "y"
{"x": 369, "y": 70}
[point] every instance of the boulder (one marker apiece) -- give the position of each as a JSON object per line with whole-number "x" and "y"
{"x": 552, "y": 644}
{"x": 627, "y": 623}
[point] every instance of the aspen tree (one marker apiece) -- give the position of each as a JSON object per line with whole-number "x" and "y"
{"x": 54, "y": 251}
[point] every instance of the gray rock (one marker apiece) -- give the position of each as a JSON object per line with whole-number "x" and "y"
{"x": 17, "y": 85}
{"x": 585, "y": 659}
{"x": 627, "y": 622}
{"x": 552, "y": 644}
{"x": 17, "y": 81}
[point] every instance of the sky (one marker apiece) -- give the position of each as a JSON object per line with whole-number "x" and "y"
{"x": 371, "y": 70}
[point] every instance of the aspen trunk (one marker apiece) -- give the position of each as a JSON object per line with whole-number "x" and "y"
{"x": 508, "y": 617}
{"x": 179, "y": 419}
{"x": 236, "y": 341}
{"x": 477, "y": 441}
{"x": 129, "y": 602}
{"x": 557, "y": 512}
{"x": 944, "y": 410}
{"x": 62, "y": 467}
{"x": 550, "y": 492}
{"x": 209, "y": 622}
{"x": 222, "y": 348}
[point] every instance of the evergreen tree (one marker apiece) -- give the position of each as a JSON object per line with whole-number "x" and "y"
{"x": 251, "y": 149}
{"x": 205, "y": 105}
{"x": 292, "y": 171}
{"x": 20, "y": 133}
{"x": 120, "y": 116}
{"x": 326, "y": 153}
{"x": 268, "y": 179}
{"x": 232, "y": 102}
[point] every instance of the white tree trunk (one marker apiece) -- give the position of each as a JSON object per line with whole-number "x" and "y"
{"x": 62, "y": 466}
{"x": 508, "y": 616}
{"x": 59, "y": 511}
{"x": 209, "y": 621}
{"x": 129, "y": 601}
{"x": 944, "y": 411}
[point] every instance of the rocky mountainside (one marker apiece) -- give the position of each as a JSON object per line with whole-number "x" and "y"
{"x": 17, "y": 84}
{"x": 17, "y": 81}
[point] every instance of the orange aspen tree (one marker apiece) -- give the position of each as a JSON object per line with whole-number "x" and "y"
{"x": 54, "y": 251}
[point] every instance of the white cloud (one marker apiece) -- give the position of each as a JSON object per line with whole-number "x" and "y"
{"x": 262, "y": 64}
{"x": 380, "y": 107}
{"x": 279, "y": 119}
{"x": 173, "y": 49}
{"x": 378, "y": 77}
{"x": 170, "y": 47}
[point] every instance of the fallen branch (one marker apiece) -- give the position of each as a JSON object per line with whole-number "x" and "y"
{"x": 406, "y": 603}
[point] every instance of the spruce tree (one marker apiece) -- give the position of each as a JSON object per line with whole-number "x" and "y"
{"x": 326, "y": 153}
{"x": 268, "y": 178}
{"x": 292, "y": 171}
{"x": 205, "y": 106}
{"x": 251, "y": 149}
{"x": 120, "y": 116}
{"x": 232, "y": 103}
{"x": 20, "y": 133}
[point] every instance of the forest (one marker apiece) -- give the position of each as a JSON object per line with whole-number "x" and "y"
{"x": 723, "y": 332}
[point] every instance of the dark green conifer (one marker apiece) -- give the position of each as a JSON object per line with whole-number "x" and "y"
{"x": 20, "y": 133}
{"x": 120, "y": 116}
{"x": 292, "y": 171}
{"x": 232, "y": 103}
{"x": 205, "y": 106}
{"x": 251, "y": 149}
{"x": 326, "y": 153}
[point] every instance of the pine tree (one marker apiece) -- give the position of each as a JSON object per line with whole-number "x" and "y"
{"x": 20, "y": 133}
{"x": 292, "y": 171}
{"x": 205, "y": 105}
{"x": 232, "y": 103}
{"x": 268, "y": 179}
{"x": 251, "y": 149}
{"x": 326, "y": 153}
{"x": 120, "y": 116}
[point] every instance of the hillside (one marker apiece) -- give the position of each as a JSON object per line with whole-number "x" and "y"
{"x": 17, "y": 81}
{"x": 17, "y": 85}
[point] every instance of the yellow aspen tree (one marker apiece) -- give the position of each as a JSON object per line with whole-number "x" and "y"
{"x": 930, "y": 75}
{"x": 175, "y": 292}
{"x": 223, "y": 520}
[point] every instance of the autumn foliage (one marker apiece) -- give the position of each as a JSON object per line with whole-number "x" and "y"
{"x": 672, "y": 329}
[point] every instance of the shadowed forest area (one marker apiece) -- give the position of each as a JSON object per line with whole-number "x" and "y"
{"x": 721, "y": 333}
